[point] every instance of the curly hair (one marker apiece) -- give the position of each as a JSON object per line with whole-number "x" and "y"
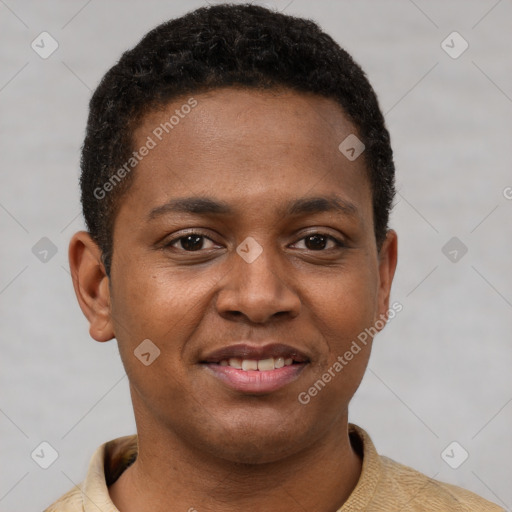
{"x": 239, "y": 45}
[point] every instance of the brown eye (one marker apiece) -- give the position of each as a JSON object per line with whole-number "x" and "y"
{"x": 191, "y": 243}
{"x": 320, "y": 242}
{"x": 316, "y": 242}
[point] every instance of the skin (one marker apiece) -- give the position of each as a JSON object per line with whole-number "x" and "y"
{"x": 203, "y": 445}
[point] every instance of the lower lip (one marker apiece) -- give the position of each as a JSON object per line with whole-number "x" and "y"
{"x": 255, "y": 381}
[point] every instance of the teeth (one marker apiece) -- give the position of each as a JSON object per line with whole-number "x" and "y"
{"x": 235, "y": 363}
{"x": 265, "y": 364}
{"x": 249, "y": 364}
{"x": 262, "y": 365}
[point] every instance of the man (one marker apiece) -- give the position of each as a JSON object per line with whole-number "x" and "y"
{"x": 237, "y": 178}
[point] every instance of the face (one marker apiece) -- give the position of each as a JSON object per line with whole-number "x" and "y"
{"x": 246, "y": 240}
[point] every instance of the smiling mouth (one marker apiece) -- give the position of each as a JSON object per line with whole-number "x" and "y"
{"x": 262, "y": 365}
{"x": 252, "y": 369}
{"x": 256, "y": 358}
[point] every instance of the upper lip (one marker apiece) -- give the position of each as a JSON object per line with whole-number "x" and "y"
{"x": 249, "y": 351}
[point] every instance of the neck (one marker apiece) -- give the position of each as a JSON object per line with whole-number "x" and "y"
{"x": 320, "y": 478}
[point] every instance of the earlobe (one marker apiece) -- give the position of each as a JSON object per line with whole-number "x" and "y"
{"x": 91, "y": 285}
{"x": 388, "y": 257}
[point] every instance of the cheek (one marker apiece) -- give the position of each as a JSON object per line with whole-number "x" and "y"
{"x": 154, "y": 301}
{"x": 148, "y": 307}
{"x": 346, "y": 304}
{"x": 345, "y": 308}
{"x": 162, "y": 305}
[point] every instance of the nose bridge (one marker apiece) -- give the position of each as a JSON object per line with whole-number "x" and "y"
{"x": 255, "y": 286}
{"x": 259, "y": 273}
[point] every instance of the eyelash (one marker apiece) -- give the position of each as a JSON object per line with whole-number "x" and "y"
{"x": 337, "y": 242}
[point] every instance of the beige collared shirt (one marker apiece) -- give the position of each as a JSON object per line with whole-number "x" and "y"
{"x": 384, "y": 485}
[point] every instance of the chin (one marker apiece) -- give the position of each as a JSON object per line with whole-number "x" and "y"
{"x": 258, "y": 450}
{"x": 251, "y": 442}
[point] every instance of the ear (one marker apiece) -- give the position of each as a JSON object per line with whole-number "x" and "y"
{"x": 388, "y": 256}
{"x": 91, "y": 285}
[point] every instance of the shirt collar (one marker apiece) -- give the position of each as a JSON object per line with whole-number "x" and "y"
{"x": 112, "y": 458}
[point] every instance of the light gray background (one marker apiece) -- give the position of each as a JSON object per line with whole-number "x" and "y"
{"x": 441, "y": 370}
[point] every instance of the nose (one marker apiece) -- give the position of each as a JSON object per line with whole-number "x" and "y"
{"x": 257, "y": 292}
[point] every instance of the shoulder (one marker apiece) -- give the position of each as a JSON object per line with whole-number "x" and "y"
{"x": 105, "y": 466}
{"x": 414, "y": 490}
{"x": 70, "y": 502}
{"x": 386, "y": 485}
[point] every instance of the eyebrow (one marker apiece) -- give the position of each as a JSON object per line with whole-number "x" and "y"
{"x": 296, "y": 207}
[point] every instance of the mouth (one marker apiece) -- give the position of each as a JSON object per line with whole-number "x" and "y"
{"x": 261, "y": 365}
{"x": 256, "y": 369}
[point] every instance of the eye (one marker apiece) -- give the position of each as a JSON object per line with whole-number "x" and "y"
{"x": 196, "y": 241}
{"x": 192, "y": 242}
{"x": 320, "y": 242}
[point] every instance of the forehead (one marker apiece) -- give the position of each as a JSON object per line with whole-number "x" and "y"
{"x": 244, "y": 116}
{"x": 246, "y": 141}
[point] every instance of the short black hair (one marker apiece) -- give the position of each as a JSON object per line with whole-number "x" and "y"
{"x": 238, "y": 45}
